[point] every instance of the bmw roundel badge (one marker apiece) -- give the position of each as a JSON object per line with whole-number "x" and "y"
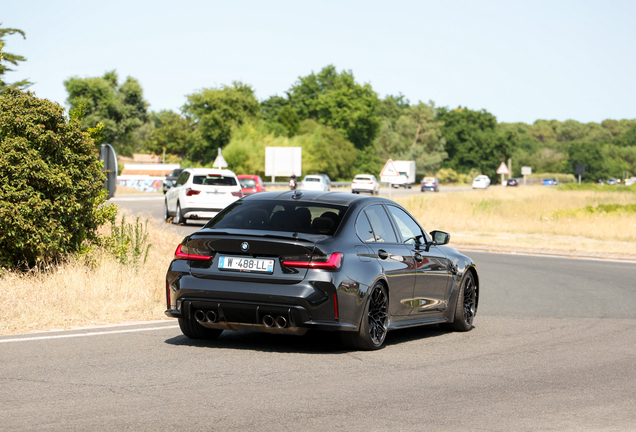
{"x": 245, "y": 246}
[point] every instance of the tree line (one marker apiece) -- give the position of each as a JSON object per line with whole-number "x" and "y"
{"x": 344, "y": 128}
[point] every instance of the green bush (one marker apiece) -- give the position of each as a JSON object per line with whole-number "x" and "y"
{"x": 51, "y": 182}
{"x": 128, "y": 243}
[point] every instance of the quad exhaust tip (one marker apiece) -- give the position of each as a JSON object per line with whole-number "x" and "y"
{"x": 199, "y": 315}
{"x": 210, "y": 316}
{"x": 268, "y": 321}
{"x": 202, "y": 317}
{"x": 281, "y": 322}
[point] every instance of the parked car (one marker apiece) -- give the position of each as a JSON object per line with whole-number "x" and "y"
{"x": 288, "y": 262}
{"x": 365, "y": 183}
{"x": 512, "y": 182}
{"x": 612, "y": 181}
{"x": 171, "y": 179}
{"x": 481, "y": 182}
{"x": 429, "y": 183}
{"x": 550, "y": 182}
{"x": 251, "y": 184}
{"x": 200, "y": 193}
{"x": 630, "y": 181}
{"x": 319, "y": 182}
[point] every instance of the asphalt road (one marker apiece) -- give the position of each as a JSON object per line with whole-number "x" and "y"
{"x": 553, "y": 348}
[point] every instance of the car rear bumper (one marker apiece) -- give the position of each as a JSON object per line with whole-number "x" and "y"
{"x": 247, "y": 306}
{"x": 369, "y": 189}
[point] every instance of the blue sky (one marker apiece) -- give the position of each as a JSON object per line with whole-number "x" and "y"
{"x": 520, "y": 60}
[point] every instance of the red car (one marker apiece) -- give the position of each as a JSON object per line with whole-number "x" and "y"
{"x": 251, "y": 184}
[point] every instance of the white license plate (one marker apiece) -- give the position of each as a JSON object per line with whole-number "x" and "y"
{"x": 246, "y": 264}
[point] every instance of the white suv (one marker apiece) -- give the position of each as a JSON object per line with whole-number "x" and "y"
{"x": 201, "y": 193}
{"x": 481, "y": 182}
{"x": 365, "y": 183}
{"x": 316, "y": 182}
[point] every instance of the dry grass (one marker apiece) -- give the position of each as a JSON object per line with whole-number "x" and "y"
{"x": 78, "y": 293}
{"x": 531, "y": 217}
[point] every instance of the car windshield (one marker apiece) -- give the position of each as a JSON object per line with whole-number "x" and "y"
{"x": 365, "y": 178}
{"x": 312, "y": 179}
{"x": 274, "y": 215}
{"x": 429, "y": 179}
{"x": 247, "y": 183}
{"x": 175, "y": 172}
{"x": 214, "y": 180}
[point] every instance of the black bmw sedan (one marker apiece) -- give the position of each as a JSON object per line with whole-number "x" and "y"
{"x": 287, "y": 262}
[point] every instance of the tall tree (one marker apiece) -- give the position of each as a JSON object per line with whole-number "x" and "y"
{"x": 473, "y": 140}
{"x": 414, "y": 135}
{"x": 171, "y": 133}
{"x": 336, "y": 100}
{"x": 121, "y": 108}
{"x": 13, "y": 59}
{"x": 215, "y": 111}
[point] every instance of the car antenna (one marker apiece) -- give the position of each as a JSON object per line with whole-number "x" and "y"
{"x": 297, "y": 194}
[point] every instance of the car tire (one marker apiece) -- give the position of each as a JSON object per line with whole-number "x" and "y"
{"x": 375, "y": 322}
{"x": 166, "y": 214}
{"x": 466, "y": 306}
{"x": 178, "y": 218}
{"x": 194, "y": 330}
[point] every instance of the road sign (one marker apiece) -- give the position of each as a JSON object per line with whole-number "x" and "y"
{"x": 526, "y": 170}
{"x": 107, "y": 154}
{"x": 579, "y": 169}
{"x": 219, "y": 162}
{"x": 389, "y": 170}
{"x": 503, "y": 169}
{"x": 283, "y": 161}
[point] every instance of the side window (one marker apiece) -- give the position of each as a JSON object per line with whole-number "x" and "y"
{"x": 382, "y": 229}
{"x": 363, "y": 228}
{"x": 183, "y": 178}
{"x": 409, "y": 229}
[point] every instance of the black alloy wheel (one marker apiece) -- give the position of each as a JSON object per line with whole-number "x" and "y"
{"x": 375, "y": 322}
{"x": 466, "y": 307}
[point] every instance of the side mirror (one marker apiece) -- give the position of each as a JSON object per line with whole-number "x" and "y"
{"x": 440, "y": 238}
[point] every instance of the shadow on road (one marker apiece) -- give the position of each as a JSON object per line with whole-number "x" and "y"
{"x": 313, "y": 342}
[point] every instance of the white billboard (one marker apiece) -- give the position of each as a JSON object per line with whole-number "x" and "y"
{"x": 283, "y": 161}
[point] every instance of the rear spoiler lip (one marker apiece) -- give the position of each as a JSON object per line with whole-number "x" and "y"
{"x": 280, "y": 235}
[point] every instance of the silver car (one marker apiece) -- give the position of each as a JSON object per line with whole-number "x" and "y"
{"x": 316, "y": 182}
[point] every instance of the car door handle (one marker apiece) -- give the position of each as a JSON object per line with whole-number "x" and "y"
{"x": 383, "y": 254}
{"x": 419, "y": 258}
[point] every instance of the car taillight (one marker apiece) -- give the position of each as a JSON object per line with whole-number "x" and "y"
{"x": 178, "y": 254}
{"x": 190, "y": 192}
{"x": 331, "y": 262}
{"x": 237, "y": 194}
{"x": 335, "y": 305}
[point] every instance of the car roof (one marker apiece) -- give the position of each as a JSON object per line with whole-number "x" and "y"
{"x": 338, "y": 198}
{"x": 200, "y": 171}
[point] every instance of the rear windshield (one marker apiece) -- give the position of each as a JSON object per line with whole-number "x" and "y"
{"x": 429, "y": 179}
{"x": 214, "y": 180}
{"x": 308, "y": 218}
{"x": 312, "y": 179}
{"x": 362, "y": 178}
{"x": 247, "y": 183}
